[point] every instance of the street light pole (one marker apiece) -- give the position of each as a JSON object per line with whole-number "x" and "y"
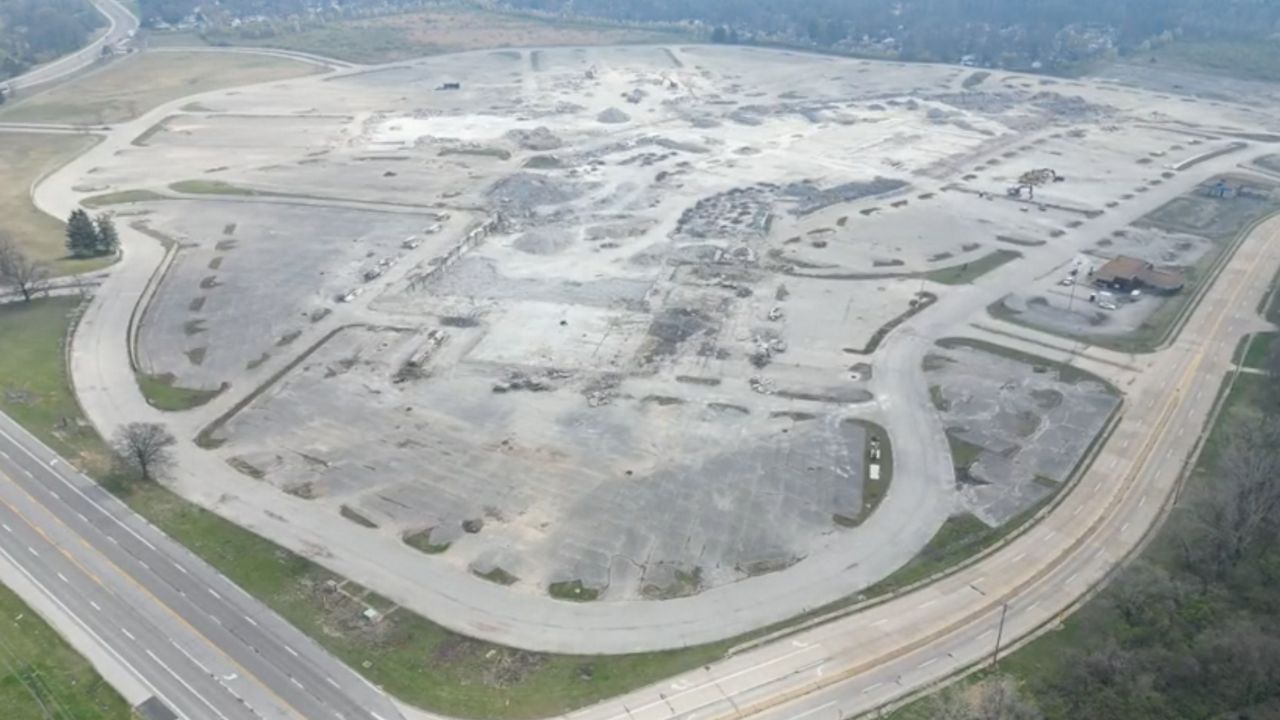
{"x": 995, "y": 656}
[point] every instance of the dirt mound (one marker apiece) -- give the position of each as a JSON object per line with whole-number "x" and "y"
{"x": 613, "y": 116}
{"x": 542, "y": 243}
{"x": 539, "y": 138}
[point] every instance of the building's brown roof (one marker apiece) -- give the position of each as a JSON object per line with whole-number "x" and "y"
{"x": 1129, "y": 268}
{"x": 1133, "y": 269}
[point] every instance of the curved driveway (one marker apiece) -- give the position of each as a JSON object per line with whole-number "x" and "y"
{"x": 919, "y": 500}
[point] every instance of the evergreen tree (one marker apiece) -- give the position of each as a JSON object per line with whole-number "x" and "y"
{"x": 107, "y": 238}
{"x": 82, "y": 236}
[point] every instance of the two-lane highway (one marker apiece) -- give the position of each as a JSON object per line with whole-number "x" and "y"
{"x": 198, "y": 642}
{"x": 121, "y": 25}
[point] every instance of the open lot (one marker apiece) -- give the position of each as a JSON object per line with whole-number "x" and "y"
{"x": 24, "y": 158}
{"x": 1018, "y": 429}
{"x": 572, "y": 320}
{"x": 400, "y": 37}
{"x": 113, "y": 94}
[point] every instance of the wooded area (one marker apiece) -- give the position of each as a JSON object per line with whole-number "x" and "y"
{"x": 36, "y": 31}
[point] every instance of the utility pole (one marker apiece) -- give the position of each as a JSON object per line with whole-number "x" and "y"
{"x": 995, "y": 656}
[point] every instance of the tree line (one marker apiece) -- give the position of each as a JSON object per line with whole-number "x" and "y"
{"x": 1005, "y": 33}
{"x": 36, "y": 31}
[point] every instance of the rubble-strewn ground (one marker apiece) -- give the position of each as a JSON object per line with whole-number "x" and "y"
{"x": 597, "y": 320}
{"x": 1018, "y": 429}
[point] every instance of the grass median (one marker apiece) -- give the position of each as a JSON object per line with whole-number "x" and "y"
{"x": 126, "y": 89}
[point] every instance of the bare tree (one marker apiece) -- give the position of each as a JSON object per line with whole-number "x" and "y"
{"x": 1144, "y": 594}
{"x": 995, "y": 698}
{"x": 144, "y": 449}
{"x": 25, "y": 275}
{"x": 1240, "y": 506}
{"x": 1001, "y": 698}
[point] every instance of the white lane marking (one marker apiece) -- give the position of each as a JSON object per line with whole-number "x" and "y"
{"x": 295, "y": 682}
{"x": 128, "y": 634}
{"x": 82, "y": 517}
{"x": 55, "y": 495}
{"x": 291, "y": 651}
{"x": 869, "y": 688}
{"x": 818, "y": 709}
{"x": 1143, "y": 501}
{"x": 191, "y": 657}
{"x": 333, "y": 682}
{"x": 32, "y": 551}
{"x": 696, "y": 688}
{"x": 73, "y": 487}
{"x": 215, "y": 619}
{"x": 926, "y": 604}
{"x": 927, "y": 663}
{"x": 1123, "y": 528}
{"x": 985, "y": 633}
{"x": 1073, "y": 577}
{"x": 1032, "y": 606}
{"x": 251, "y": 621}
{"x": 1077, "y": 510}
{"x": 63, "y": 578}
{"x": 113, "y": 540}
{"x": 214, "y": 593}
{"x": 79, "y": 621}
{"x": 180, "y": 568}
{"x": 878, "y": 623}
{"x": 144, "y": 564}
{"x": 1019, "y": 557}
{"x": 95, "y": 606}
{"x": 186, "y": 685}
{"x": 6, "y": 528}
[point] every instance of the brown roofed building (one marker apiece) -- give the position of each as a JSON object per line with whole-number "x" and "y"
{"x": 1127, "y": 274}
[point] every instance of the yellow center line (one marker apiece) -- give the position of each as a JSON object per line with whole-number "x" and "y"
{"x": 1134, "y": 469}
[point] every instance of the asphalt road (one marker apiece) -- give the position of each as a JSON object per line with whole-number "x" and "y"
{"x": 161, "y": 615}
{"x": 121, "y": 24}
{"x": 862, "y": 663}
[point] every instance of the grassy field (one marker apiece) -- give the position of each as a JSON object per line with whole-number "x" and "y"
{"x": 965, "y": 273}
{"x": 1256, "y": 350}
{"x": 129, "y": 87}
{"x": 161, "y": 393}
{"x": 24, "y": 158}
{"x": 399, "y": 37}
{"x": 41, "y": 677}
{"x": 122, "y": 197}
{"x": 212, "y": 187}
